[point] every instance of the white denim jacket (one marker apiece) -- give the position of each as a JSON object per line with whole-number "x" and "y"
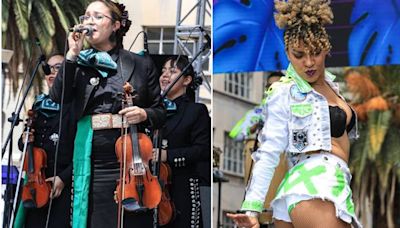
{"x": 297, "y": 121}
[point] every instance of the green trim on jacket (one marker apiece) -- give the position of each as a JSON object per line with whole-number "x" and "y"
{"x": 81, "y": 172}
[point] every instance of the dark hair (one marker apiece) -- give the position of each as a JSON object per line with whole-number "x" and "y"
{"x": 181, "y": 62}
{"x": 118, "y": 13}
{"x": 273, "y": 74}
{"x": 276, "y": 74}
{"x": 54, "y": 54}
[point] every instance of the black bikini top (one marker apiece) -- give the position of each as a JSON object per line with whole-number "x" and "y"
{"x": 338, "y": 119}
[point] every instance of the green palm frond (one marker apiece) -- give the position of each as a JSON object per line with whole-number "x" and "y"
{"x": 5, "y": 4}
{"x": 397, "y": 171}
{"x": 46, "y": 19}
{"x": 80, "y": 5}
{"x": 378, "y": 151}
{"x": 378, "y": 124}
{"x": 387, "y": 78}
{"x": 391, "y": 146}
{"x": 61, "y": 14}
{"x": 359, "y": 152}
{"x": 386, "y": 161}
{"x": 22, "y": 13}
{"x": 5, "y": 12}
{"x": 45, "y": 28}
{"x": 383, "y": 168}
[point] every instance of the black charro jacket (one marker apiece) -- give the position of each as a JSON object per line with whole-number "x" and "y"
{"x": 138, "y": 70}
{"x": 188, "y": 132}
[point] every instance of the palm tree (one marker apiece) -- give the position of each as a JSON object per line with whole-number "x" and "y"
{"x": 375, "y": 157}
{"x": 48, "y": 20}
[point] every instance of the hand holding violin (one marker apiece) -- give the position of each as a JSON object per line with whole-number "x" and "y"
{"x": 58, "y": 186}
{"x": 31, "y": 137}
{"x": 134, "y": 114}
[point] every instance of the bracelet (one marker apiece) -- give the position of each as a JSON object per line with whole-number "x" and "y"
{"x": 252, "y": 214}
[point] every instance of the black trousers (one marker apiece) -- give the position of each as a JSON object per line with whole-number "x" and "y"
{"x": 103, "y": 211}
{"x": 59, "y": 215}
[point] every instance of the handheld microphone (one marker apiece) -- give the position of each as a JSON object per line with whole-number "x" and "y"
{"x": 45, "y": 66}
{"x": 208, "y": 38}
{"x": 88, "y": 28}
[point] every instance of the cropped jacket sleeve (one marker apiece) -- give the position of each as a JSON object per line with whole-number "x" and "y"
{"x": 274, "y": 140}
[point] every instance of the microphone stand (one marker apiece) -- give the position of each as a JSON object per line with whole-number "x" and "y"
{"x": 14, "y": 119}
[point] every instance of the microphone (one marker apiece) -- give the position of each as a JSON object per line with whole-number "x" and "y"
{"x": 88, "y": 28}
{"x": 45, "y": 66}
{"x": 208, "y": 38}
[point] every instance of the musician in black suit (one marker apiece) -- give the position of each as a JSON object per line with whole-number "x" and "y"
{"x": 188, "y": 131}
{"x": 45, "y": 136}
{"x": 94, "y": 80}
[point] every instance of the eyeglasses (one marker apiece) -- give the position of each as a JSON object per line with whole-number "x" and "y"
{"x": 55, "y": 68}
{"x": 98, "y": 17}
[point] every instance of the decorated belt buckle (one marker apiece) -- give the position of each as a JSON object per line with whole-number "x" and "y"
{"x": 119, "y": 121}
{"x": 300, "y": 140}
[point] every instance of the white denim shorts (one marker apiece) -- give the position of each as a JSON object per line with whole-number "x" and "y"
{"x": 316, "y": 176}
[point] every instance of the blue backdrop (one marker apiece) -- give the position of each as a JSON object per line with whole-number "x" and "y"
{"x": 245, "y": 37}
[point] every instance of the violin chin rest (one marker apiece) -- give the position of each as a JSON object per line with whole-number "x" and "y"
{"x": 132, "y": 205}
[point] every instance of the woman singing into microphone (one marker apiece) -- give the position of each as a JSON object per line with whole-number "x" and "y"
{"x": 93, "y": 82}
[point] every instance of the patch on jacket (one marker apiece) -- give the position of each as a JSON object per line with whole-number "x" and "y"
{"x": 301, "y": 110}
{"x": 300, "y": 140}
{"x": 296, "y": 94}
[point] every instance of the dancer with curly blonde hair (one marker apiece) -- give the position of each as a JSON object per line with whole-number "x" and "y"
{"x": 308, "y": 119}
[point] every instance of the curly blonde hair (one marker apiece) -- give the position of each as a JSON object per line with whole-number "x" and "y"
{"x": 303, "y": 21}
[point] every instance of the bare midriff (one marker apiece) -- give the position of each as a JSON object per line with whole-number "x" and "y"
{"x": 340, "y": 147}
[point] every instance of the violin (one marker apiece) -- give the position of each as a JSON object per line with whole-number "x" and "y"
{"x": 166, "y": 209}
{"x": 36, "y": 191}
{"x": 137, "y": 189}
